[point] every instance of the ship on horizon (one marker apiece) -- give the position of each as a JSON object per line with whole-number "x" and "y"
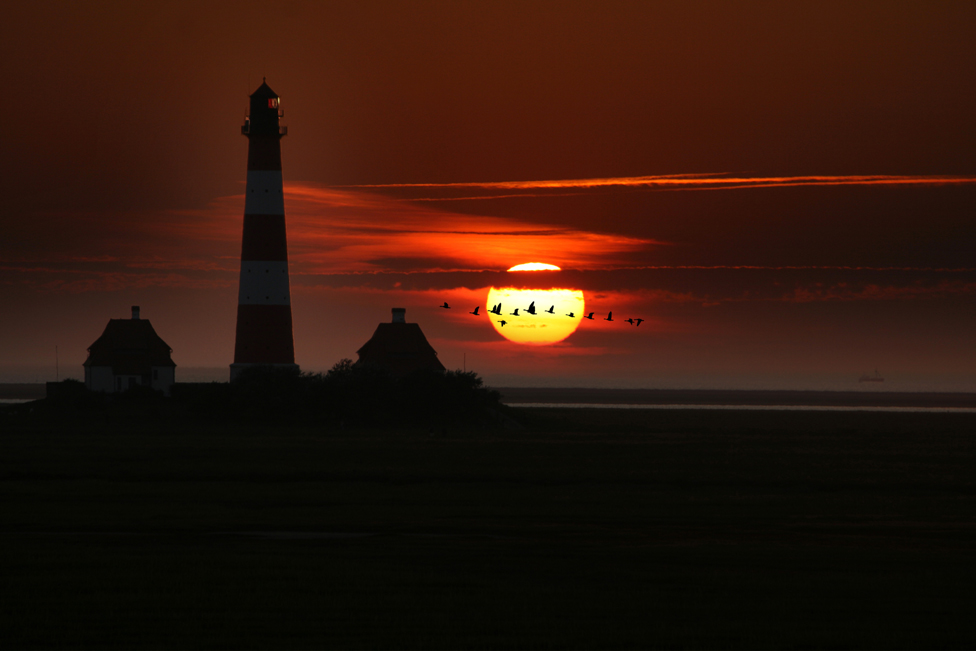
{"x": 871, "y": 378}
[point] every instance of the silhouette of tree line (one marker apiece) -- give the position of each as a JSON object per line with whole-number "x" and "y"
{"x": 348, "y": 395}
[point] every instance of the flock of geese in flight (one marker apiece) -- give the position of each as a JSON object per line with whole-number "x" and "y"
{"x": 497, "y": 310}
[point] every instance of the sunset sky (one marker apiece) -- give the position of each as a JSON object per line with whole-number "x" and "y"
{"x": 784, "y": 191}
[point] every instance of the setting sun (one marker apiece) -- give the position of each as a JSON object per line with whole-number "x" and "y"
{"x": 535, "y": 266}
{"x": 551, "y": 322}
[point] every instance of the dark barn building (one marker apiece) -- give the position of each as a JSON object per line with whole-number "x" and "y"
{"x": 399, "y": 347}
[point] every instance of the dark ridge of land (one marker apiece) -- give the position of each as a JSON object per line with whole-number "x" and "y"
{"x": 590, "y": 528}
{"x": 21, "y": 391}
{"x": 516, "y": 395}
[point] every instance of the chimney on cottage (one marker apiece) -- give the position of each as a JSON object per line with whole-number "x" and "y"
{"x": 399, "y": 315}
{"x": 135, "y": 312}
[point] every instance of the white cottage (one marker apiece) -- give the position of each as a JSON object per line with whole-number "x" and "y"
{"x": 129, "y": 353}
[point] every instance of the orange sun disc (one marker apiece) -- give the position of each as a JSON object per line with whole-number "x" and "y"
{"x": 543, "y": 327}
{"x": 534, "y": 266}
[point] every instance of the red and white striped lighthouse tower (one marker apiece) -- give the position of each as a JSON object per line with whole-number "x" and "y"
{"x": 264, "y": 330}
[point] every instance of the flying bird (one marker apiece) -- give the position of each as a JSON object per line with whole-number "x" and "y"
{"x": 639, "y": 321}
{"x": 477, "y": 307}
{"x": 445, "y": 306}
{"x": 571, "y": 315}
{"x": 609, "y": 317}
{"x": 503, "y": 323}
{"x": 496, "y": 310}
{"x": 630, "y": 321}
{"x": 531, "y": 309}
{"x": 589, "y": 316}
{"x": 552, "y": 309}
{"x": 515, "y": 313}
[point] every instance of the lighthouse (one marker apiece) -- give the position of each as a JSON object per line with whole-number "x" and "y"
{"x": 264, "y": 329}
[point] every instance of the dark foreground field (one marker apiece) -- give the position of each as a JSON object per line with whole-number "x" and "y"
{"x": 612, "y": 529}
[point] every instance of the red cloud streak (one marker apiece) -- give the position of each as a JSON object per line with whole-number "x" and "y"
{"x": 683, "y": 182}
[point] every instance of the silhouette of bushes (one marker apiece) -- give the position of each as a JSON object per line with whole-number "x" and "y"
{"x": 72, "y": 394}
{"x": 70, "y": 401}
{"x": 347, "y": 395}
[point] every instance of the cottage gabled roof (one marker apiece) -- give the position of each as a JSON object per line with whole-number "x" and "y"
{"x": 130, "y": 347}
{"x": 400, "y": 348}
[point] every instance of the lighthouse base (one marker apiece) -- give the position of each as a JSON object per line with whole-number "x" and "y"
{"x": 237, "y": 369}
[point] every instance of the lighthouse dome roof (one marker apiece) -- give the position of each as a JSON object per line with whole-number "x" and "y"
{"x": 264, "y": 90}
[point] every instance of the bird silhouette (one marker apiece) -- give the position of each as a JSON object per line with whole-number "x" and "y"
{"x": 589, "y": 316}
{"x": 639, "y": 321}
{"x": 531, "y": 309}
{"x": 496, "y": 310}
{"x": 630, "y": 321}
{"x": 552, "y": 309}
{"x": 609, "y": 317}
{"x": 571, "y": 315}
{"x": 477, "y": 307}
{"x": 503, "y": 323}
{"x": 445, "y": 306}
{"x": 515, "y": 313}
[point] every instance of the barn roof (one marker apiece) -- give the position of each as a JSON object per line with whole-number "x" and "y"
{"x": 400, "y": 348}
{"x": 130, "y": 347}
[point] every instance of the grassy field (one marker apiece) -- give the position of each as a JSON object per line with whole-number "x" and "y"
{"x": 588, "y": 528}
